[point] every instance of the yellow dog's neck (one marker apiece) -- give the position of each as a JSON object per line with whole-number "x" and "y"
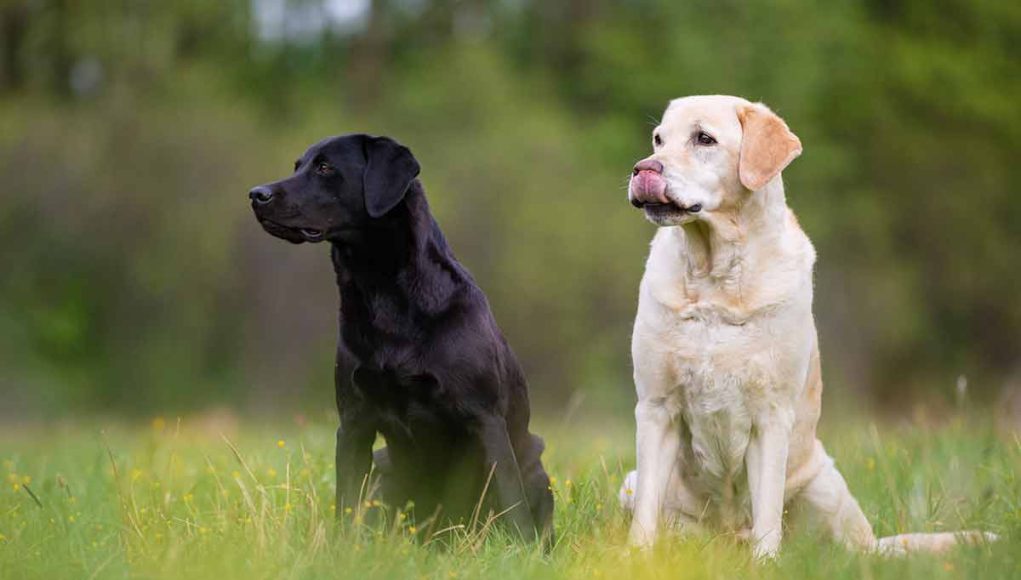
{"x": 716, "y": 245}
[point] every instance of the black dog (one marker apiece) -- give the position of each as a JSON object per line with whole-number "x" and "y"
{"x": 420, "y": 357}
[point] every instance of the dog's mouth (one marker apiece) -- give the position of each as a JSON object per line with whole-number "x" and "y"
{"x": 291, "y": 234}
{"x": 311, "y": 235}
{"x": 670, "y": 214}
{"x": 648, "y": 190}
{"x": 668, "y": 207}
{"x": 671, "y": 209}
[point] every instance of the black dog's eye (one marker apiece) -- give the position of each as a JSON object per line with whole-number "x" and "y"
{"x": 657, "y": 140}
{"x": 703, "y": 138}
{"x": 323, "y": 168}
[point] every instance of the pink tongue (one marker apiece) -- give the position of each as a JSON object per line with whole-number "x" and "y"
{"x": 649, "y": 187}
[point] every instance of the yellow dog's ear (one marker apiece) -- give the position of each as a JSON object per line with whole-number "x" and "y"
{"x": 768, "y": 146}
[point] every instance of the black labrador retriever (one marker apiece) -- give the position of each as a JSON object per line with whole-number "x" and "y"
{"x": 420, "y": 358}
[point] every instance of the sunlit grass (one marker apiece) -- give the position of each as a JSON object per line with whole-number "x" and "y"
{"x": 244, "y": 499}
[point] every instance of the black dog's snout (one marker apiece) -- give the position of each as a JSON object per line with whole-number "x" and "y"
{"x": 261, "y": 195}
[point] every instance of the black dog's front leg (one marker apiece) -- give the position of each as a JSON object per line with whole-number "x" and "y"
{"x": 501, "y": 461}
{"x": 354, "y": 459}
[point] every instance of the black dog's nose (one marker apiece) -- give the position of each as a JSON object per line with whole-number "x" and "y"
{"x": 261, "y": 195}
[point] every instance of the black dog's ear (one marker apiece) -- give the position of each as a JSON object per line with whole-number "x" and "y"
{"x": 389, "y": 170}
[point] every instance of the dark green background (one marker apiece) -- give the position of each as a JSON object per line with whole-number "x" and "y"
{"x": 133, "y": 278}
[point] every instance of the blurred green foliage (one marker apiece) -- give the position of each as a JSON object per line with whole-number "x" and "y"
{"x": 134, "y": 278}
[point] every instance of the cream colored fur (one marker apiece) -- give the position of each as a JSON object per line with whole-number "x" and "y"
{"x": 726, "y": 359}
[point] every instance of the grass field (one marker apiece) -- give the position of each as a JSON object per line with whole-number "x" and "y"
{"x": 215, "y": 497}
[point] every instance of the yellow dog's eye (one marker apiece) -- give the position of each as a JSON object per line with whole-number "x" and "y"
{"x": 703, "y": 138}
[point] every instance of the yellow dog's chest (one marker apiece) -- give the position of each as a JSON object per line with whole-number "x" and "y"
{"x": 725, "y": 374}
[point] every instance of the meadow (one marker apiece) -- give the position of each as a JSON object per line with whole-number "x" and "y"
{"x": 137, "y": 286}
{"x": 215, "y": 496}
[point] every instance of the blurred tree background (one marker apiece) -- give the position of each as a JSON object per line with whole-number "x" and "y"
{"x": 133, "y": 277}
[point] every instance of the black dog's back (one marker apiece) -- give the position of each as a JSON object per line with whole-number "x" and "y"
{"x": 420, "y": 358}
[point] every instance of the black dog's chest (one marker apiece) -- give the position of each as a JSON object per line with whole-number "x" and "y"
{"x": 407, "y": 404}
{"x": 385, "y": 388}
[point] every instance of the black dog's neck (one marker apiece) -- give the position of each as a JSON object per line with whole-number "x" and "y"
{"x": 396, "y": 258}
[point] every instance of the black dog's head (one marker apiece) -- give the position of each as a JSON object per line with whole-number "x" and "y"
{"x": 340, "y": 184}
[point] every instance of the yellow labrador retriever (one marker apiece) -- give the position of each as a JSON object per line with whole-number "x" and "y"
{"x": 726, "y": 360}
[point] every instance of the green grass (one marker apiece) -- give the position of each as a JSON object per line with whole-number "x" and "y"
{"x": 172, "y": 500}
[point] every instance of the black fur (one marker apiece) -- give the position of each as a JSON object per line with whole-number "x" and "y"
{"x": 420, "y": 358}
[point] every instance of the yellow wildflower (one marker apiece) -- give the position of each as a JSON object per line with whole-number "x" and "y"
{"x": 281, "y": 443}
{"x": 271, "y": 473}
{"x": 412, "y": 529}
